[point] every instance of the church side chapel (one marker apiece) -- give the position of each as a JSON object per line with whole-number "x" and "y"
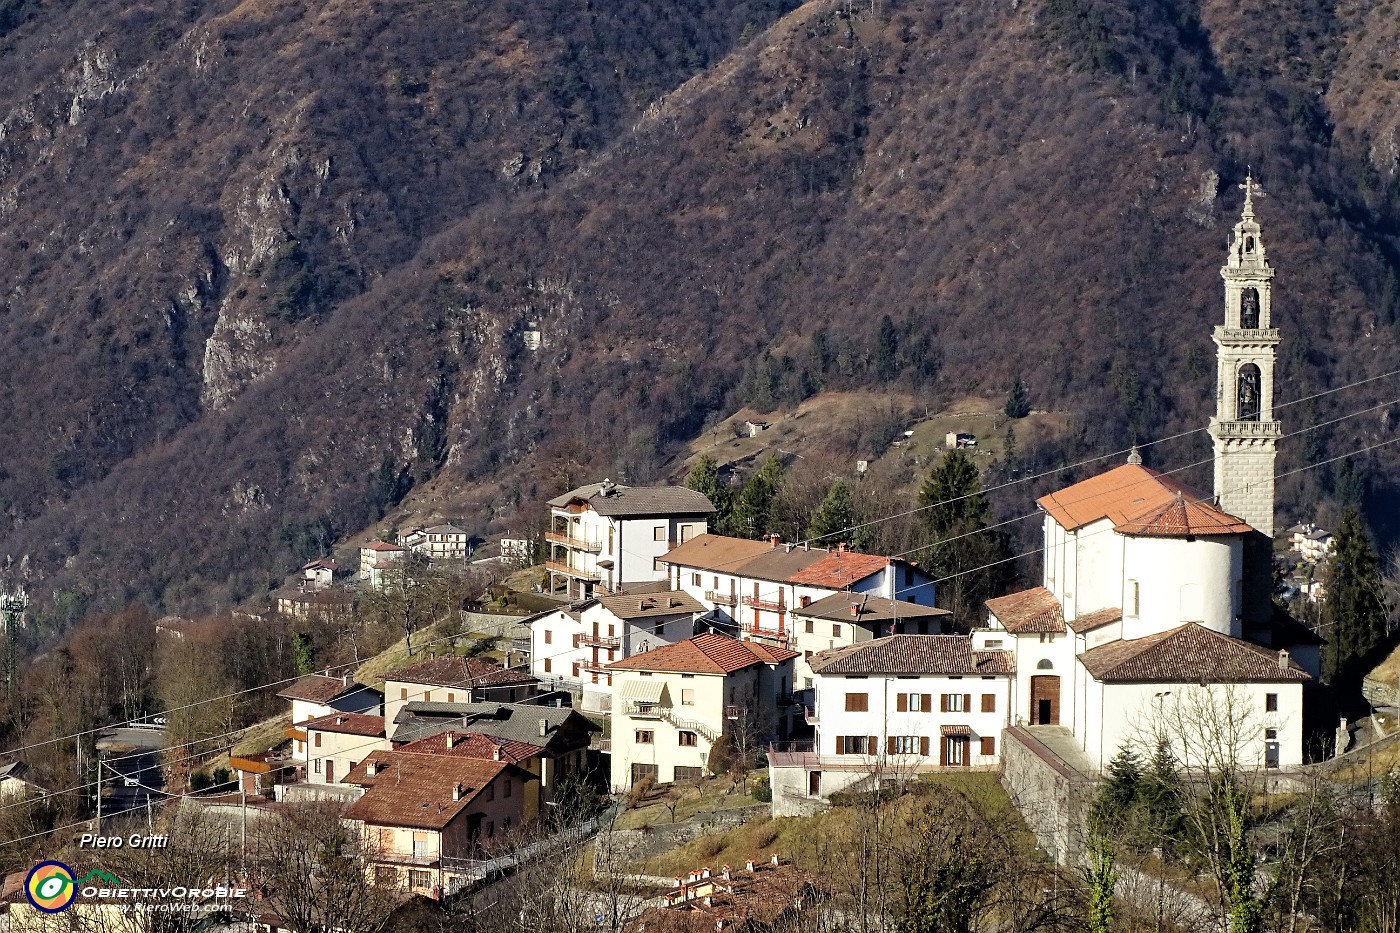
{"x": 1154, "y": 618}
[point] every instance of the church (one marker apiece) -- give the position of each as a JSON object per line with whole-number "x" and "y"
{"x": 1154, "y": 619}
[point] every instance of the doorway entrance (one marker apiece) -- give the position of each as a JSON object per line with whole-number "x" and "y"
{"x": 1045, "y": 700}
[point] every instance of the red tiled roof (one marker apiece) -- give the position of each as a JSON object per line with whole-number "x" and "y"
{"x": 634, "y": 605}
{"x": 473, "y": 745}
{"x": 840, "y": 569}
{"x": 347, "y": 724}
{"x": 913, "y": 654}
{"x": 420, "y": 795}
{"x": 1029, "y": 612}
{"x": 1136, "y": 497}
{"x": 381, "y": 546}
{"x": 715, "y": 552}
{"x": 704, "y": 654}
{"x": 1190, "y": 653}
{"x": 317, "y": 688}
{"x": 1096, "y": 620}
{"x": 459, "y": 672}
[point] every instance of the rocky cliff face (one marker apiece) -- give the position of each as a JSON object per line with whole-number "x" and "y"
{"x": 265, "y": 266}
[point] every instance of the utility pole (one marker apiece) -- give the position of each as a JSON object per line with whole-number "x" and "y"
{"x": 99, "y": 792}
{"x": 243, "y": 793}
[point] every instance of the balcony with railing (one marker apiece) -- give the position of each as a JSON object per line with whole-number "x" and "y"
{"x": 578, "y": 544}
{"x": 755, "y": 630}
{"x": 754, "y": 602}
{"x": 720, "y": 599}
{"x": 601, "y": 641}
{"x": 558, "y": 567}
{"x": 643, "y": 710}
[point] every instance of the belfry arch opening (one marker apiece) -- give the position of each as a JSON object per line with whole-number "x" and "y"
{"x": 1247, "y": 393}
{"x": 1249, "y": 308}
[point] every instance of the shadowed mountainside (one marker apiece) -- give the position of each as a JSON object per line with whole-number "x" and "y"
{"x": 264, "y": 268}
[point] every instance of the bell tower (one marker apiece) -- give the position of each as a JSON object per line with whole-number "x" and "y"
{"x": 1244, "y": 430}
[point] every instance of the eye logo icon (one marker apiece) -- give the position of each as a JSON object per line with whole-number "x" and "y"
{"x": 50, "y": 886}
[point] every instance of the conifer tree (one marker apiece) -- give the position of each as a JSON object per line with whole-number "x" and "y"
{"x": 1018, "y": 403}
{"x": 1118, "y": 796}
{"x": 752, "y": 516}
{"x": 1353, "y": 614}
{"x": 968, "y": 559}
{"x": 834, "y": 520}
{"x": 887, "y": 350}
{"x": 704, "y": 478}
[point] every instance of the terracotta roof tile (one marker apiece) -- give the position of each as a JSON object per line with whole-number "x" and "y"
{"x": 347, "y": 724}
{"x": 1181, "y": 517}
{"x": 840, "y": 569}
{"x": 717, "y": 552}
{"x": 458, "y": 672}
{"x": 1132, "y": 495}
{"x": 913, "y": 654}
{"x": 1096, "y": 620}
{"x": 1029, "y": 612}
{"x": 317, "y": 688}
{"x": 646, "y": 605}
{"x": 381, "y": 546}
{"x": 1190, "y": 653}
{"x": 704, "y": 654}
{"x": 473, "y": 745}
{"x": 420, "y": 794}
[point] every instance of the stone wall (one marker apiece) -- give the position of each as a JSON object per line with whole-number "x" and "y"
{"x": 1052, "y": 797}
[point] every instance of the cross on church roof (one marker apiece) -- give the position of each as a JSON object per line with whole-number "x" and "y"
{"x": 1251, "y": 187}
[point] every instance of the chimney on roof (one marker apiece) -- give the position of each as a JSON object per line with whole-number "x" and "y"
{"x": 1283, "y": 659}
{"x": 457, "y": 791}
{"x": 855, "y": 611}
{"x": 1135, "y": 456}
{"x": 705, "y": 872}
{"x": 775, "y": 540}
{"x": 725, "y": 873}
{"x": 774, "y": 859}
{"x": 788, "y": 547}
{"x": 340, "y": 720}
{"x": 495, "y": 751}
{"x": 708, "y": 901}
{"x": 748, "y": 864}
{"x": 371, "y": 768}
{"x": 345, "y": 679}
{"x": 841, "y": 548}
{"x": 544, "y": 727}
{"x": 449, "y": 739}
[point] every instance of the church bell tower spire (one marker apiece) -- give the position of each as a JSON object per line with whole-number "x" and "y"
{"x": 1243, "y": 429}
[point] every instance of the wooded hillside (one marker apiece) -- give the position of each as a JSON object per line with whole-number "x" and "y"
{"x": 265, "y": 267}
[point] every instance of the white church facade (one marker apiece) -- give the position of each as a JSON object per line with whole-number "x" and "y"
{"x": 1153, "y": 619}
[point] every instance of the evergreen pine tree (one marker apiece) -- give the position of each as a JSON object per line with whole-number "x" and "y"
{"x": 968, "y": 560}
{"x": 1354, "y": 612}
{"x": 887, "y": 350}
{"x": 1118, "y": 795}
{"x": 833, "y": 521}
{"x": 1159, "y": 794}
{"x": 1018, "y": 404}
{"x": 752, "y": 516}
{"x": 704, "y": 478}
{"x": 303, "y": 652}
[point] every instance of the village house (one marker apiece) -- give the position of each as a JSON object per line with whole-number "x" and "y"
{"x": 318, "y": 695}
{"x": 424, "y": 816}
{"x": 339, "y": 741}
{"x": 762, "y": 895}
{"x": 606, "y": 536}
{"x": 893, "y": 707}
{"x": 763, "y": 590}
{"x": 15, "y": 783}
{"x": 311, "y": 603}
{"x": 563, "y": 735}
{"x": 848, "y": 618}
{"x": 454, "y": 680}
{"x": 673, "y": 703}
{"x": 572, "y": 648}
{"x": 376, "y": 558}
{"x": 318, "y": 574}
{"x": 438, "y": 542}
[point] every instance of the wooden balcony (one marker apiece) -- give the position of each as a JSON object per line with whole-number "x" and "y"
{"x": 720, "y": 599}
{"x": 578, "y": 544}
{"x": 601, "y": 641}
{"x": 753, "y": 602}
{"x": 555, "y": 566}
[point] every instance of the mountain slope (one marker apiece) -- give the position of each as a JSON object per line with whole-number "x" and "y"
{"x": 1018, "y": 191}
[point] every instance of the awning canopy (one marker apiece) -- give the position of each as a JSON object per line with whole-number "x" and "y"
{"x": 643, "y": 690}
{"x": 956, "y": 730}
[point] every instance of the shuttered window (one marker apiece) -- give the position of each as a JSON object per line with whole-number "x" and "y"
{"x": 989, "y": 702}
{"x": 857, "y": 702}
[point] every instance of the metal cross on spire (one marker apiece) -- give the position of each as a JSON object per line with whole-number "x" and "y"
{"x": 1251, "y": 187}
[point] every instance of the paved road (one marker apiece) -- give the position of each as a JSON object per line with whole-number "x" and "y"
{"x": 131, "y": 766}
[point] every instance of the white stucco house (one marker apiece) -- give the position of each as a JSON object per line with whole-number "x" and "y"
{"x": 896, "y": 706}
{"x": 438, "y": 542}
{"x": 318, "y": 695}
{"x": 673, "y": 703}
{"x": 607, "y": 536}
{"x": 376, "y": 558}
{"x": 572, "y": 648}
